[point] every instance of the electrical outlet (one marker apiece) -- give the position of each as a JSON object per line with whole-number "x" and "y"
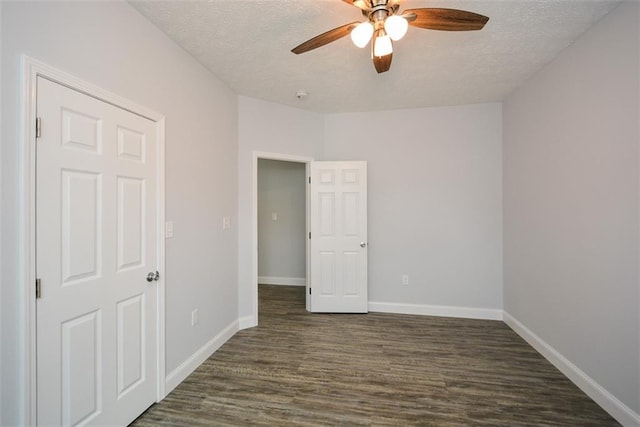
{"x": 405, "y": 279}
{"x": 194, "y": 317}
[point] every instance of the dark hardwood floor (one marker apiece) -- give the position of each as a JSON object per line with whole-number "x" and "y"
{"x": 374, "y": 369}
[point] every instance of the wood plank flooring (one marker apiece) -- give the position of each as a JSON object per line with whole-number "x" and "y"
{"x": 373, "y": 369}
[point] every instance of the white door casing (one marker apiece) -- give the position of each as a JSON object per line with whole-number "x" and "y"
{"x": 252, "y": 320}
{"x": 96, "y": 241}
{"x": 338, "y": 222}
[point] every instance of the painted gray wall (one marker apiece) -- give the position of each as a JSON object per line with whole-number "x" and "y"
{"x": 111, "y": 45}
{"x": 571, "y": 204}
{"x": 281, "y": 243}
{"x": 435, "y": 201}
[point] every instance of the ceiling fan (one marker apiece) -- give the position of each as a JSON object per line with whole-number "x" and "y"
{"x": 384, "y": 25}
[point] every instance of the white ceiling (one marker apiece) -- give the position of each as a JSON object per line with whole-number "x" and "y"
{"x": 247, "y": 44}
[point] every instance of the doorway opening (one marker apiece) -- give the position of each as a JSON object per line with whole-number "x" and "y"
{"x": 282, "y": 229}
{"x": 278, "y": 254}
{"x": 281, "y": 223}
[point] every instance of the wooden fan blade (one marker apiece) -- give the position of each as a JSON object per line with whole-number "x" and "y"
{"x": 324, "y": 38}
{"x": 446, "y": 19}
{"x": 361, "y": 4}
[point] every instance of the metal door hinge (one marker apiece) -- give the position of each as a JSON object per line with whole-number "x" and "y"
{"x": 38, "y": 127}
{"x": 38, "y": 288}
{"x": 309, "y": 234}
{"x": 309, "y": 291}
{"x": 309, "y": 180}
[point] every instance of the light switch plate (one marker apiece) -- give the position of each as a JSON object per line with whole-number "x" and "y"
{"x": 274, "y": 216}
{"x": 226, "y": 222}
{"x": 168, "y": 229}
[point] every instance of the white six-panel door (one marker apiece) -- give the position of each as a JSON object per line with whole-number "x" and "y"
{"x": 96, "y": 243}
{"x": 338, "y": 246}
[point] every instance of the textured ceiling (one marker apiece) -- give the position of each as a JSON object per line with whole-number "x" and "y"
{"x": 247, "y": 44}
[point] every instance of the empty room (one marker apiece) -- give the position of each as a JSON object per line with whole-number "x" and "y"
{"x": 320, "y": 212}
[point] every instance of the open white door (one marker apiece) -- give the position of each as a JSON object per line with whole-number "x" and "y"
{"x": 96, "y": 244}
{"x": 338, "y": 239}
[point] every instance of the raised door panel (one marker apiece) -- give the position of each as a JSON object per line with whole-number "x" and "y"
{"x": 131, "y": 361}
{"x": 81, "y": 226}
{"x": 326, "y": 215}
{"x": 81, "y": 131}
{"x": 351, "y": 273}
{"x": 132, "y": 144}
{"x": 327, "y": 273}
{"x": 351, "y": 215}
{"x": 131, "y": 222}
{"x": 81, "y": 369}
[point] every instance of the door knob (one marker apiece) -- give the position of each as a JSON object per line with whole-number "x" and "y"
{"x": 153, "y": 276}
{"x": 363, "y": 245}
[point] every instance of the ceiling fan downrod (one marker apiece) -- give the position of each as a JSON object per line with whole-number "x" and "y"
{"x": 379, "y": 12}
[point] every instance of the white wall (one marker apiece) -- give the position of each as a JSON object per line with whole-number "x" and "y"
{"x": 111, "y": 45}
{"x": 435, "y": 201}
{"x": 571, "y": 205}
{"x": 281, "y": 242}
{"x": 273, "y": 128}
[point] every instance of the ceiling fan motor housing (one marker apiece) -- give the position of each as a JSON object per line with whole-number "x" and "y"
{"x": 379, "y": 12}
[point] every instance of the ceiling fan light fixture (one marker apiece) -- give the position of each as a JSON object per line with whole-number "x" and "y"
{"x": 385, "y": 25}
{"x": 382, "y": 44}
{"x": 396, "y": 27}
{"x": 361, "y": 34}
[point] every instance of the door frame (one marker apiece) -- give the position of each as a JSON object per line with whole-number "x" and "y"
{"x": 31, "y": 70}
{"x": 255, "y": 156}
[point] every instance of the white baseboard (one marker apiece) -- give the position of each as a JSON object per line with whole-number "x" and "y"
{"x": 247, "y": 322}
{"x": 286, "y": 281}
{"x": 188, "y": 366}
{"x": 436, "y": 310}
{"x": 618, "y": 410}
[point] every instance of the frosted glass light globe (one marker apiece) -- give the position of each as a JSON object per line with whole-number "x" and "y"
{"x": 382, "y": 46}
{"x": 361, "y": 34}
{"x": 396, "y": 27}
